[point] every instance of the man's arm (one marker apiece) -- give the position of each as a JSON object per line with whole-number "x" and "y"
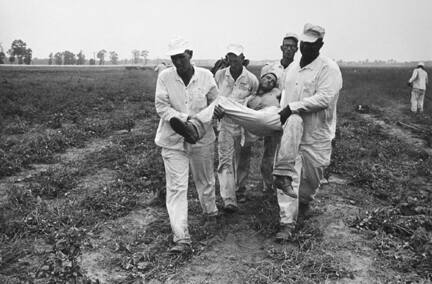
{"x": 255, "y": 84}
{"x": 329, "y": 85}
{"x": 218, "y": 77}
{"x": 163, "y": 104}
{"x": 413, "y": 77}
{"x": 213, "y": 90}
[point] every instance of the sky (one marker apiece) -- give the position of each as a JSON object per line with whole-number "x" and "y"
{"x": 355, "y": 29}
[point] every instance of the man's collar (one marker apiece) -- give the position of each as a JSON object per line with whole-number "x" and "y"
{"x": 228, "y": 73}
{"x": 312, "y": 64}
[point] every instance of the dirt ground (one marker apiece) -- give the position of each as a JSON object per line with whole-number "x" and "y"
{"x": 81, "y": 214}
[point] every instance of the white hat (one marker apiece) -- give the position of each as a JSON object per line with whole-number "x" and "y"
{"x": 312, "y": 32}
{"x": 178, "y": 46}
{"x": 291, "y": 35}
{"x": 235, "y": 48}
{"x": 420, "y": 64}
{"x": 271, "y": 69}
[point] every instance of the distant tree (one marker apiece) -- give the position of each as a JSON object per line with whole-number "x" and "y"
{"x": 81, "y": 58}
{"x": 135, "y": 56}
{"x": 58, "y": 58}
{"x": 11, "y": 59}
{"x": 144, "y": 54}
{"x": 114, "y": 57}
{"x": 69, "y": 58}
{"x": 50, "y": 58}
{"x": 18, "y": 49}
{"x": 28, "y": 56}
{"x": 101, "y": 56}
{"x": 92, "y": 62}
{"x": 2, "y": 57}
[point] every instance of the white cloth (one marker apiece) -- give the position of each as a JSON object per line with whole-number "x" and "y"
{"x": 177, "y": 164}
{"x": 417, "y": 100}
{"x": 419, "y": 79}
{"x": 263, "y": 122}
{"x": 174, "y": 99}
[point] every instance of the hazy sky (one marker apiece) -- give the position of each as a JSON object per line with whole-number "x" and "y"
{"x": 355, "y": 29}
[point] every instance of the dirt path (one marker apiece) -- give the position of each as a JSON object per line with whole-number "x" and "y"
{"x": 399, "y": 132}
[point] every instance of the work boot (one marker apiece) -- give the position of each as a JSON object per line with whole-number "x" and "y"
{"x": 185, "y": 129}
{"x": 284, "y": 183}
{"x": 180, "y": 248}
{"x": 286, "y": 233}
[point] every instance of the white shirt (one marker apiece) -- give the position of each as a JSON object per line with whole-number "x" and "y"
{"x": 419, "y": 79}
{"x": 312, "y": 92}
{"x": 174, "y": 99}
{"x": 238, "y": 90}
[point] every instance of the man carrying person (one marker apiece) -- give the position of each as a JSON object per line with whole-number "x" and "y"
{"x": 289, "y": 49}
{"x": 181, "y": 92}
{"x": 237, "y": 83}
{"x": 418, "y": 82}
{"x": 311, "y": 91}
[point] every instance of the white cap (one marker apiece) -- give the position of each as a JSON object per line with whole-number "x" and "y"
{"x": 312, "y": 32}
{"x": 178, "y": 46}
{"x": 291, "y": 35}
{"x": 235, "y": 48}
{"x": 420, "y": 64}
{"x": 271, "y": 69}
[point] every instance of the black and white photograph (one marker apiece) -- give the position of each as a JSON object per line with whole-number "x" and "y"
{"x": 229, "y": 141}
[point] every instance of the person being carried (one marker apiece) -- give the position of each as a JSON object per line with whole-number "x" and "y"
{"x": 260, "y": 116}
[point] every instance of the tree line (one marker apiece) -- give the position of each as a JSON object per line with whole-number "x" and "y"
{"x": 21, "y": 54}
{"x": 17, "y": 53}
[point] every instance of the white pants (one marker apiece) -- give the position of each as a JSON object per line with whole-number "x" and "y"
{"x": 263, "y": 122}
{"x": 417, "y": 99}
{"x": 177, "y": 162}
{"x": 303, "y": 163}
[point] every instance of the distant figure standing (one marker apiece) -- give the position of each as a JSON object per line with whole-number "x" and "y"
{"x": 418, "y": 82}
{"x": 160, "y": 67}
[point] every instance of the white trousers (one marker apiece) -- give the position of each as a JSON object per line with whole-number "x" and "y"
{"x": 229, "y": 150}
{"x": 263, "y": 122}
{"x": 177, "y": 163}
{"x": 303, "y": 163}
{"x": 417, "y": 99}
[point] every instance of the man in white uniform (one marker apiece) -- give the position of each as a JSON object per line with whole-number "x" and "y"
{"x": 289, "y": 48}
{"x": 237, "y": 83}
{"x": 181, "y": 92}
{"x": 309, "y": 98}
{"x": 418, "y": 82}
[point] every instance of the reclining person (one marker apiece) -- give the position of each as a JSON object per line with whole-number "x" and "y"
{"x": 260, "y": 117}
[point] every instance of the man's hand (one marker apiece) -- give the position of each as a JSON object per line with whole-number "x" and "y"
{"x": 219, "y": 112}
{"x": 284, "y": 114}
{"x": 409, "y": 84}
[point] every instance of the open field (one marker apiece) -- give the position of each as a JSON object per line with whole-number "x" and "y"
{"x": 78, "y": 165}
